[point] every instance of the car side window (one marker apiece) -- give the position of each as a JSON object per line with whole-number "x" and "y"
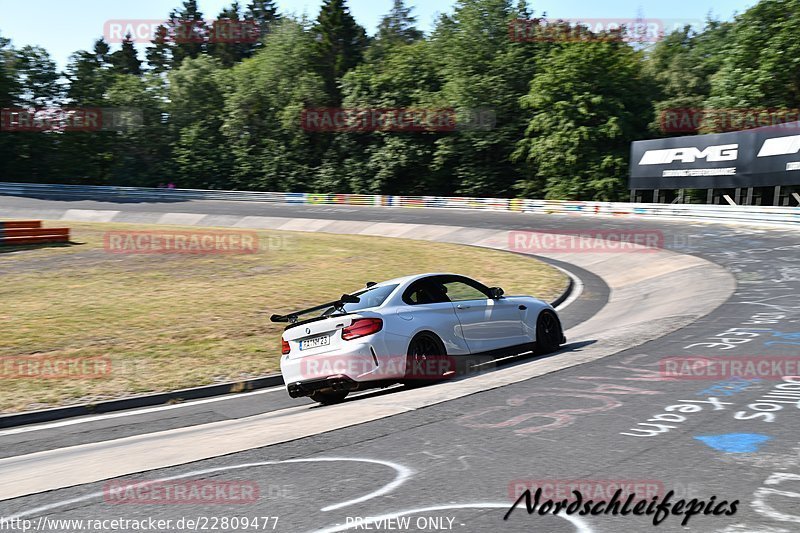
{"x": 459, "y": 291}
{"x": 425, "y": 292}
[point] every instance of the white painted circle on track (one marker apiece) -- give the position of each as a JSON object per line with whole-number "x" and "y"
{"x": 403, "y": 473}
{"x": 580, "y": 525}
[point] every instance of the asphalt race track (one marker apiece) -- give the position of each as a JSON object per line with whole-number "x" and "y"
{"x": 454, "y": 463}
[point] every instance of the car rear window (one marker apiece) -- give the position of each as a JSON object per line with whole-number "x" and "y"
{"x": 372, "y": 297}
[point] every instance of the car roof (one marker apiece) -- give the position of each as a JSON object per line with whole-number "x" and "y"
{"x": 409, "y": 279}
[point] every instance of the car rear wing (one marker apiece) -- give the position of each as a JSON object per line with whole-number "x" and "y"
{"x": 336, "y": 304}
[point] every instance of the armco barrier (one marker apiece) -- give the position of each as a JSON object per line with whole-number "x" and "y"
{"x": 726, "y": 213}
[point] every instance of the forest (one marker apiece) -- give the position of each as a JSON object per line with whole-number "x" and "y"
{"x": 565, "y": 101}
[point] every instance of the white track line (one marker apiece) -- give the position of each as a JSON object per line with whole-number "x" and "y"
{"x": 97, "y": 418}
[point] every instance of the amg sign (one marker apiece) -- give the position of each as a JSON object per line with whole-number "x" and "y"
{"x": 727, "y": 152}
{"x": 759, "y": 157}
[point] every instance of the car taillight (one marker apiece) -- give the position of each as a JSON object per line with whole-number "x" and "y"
{"x": 361, "y": 328}
{"x": 285, "y": 348}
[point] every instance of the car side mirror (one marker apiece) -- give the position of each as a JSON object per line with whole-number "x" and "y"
{"x": 496, "y": 293}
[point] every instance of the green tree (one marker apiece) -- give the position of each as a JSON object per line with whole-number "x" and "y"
{"x": 89, "y": 75}
{"x": 159, "y": 54}
{"x": 225, "y": 42}
{"x": 188, "y": 32}
{"x": 265, "y": 100}
{"x": 126, "y": 60}
{"x": 588, "y": 102}
{"x": 682, "y": 65}
{"x": 484, "y": 73}
{"x": 142, "y": 151}
{"x": 9, "y": 86}
{"x": 9, "y": 95}
{"x": 33, "y": 84}
{"x": 398, "y": 27}
{"x": 37, "y": 75}
{"x": 88, "y": 156}
{"x": 264, "y": 14}
{"x": 761, "y": 67}
{"x": 196, "y": 98}
{"x": 388, "y": 162}
{"x": 339, "y": 45}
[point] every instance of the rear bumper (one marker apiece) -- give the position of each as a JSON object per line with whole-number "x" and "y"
{"x": 352, "y": 367}
{"x": 336, "y": 383}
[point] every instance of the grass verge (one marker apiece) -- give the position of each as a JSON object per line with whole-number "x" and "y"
{"x": 169, "y": 321}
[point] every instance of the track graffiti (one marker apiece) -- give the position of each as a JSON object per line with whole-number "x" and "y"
{"x": 602, "y": 397}
{"x": 766, "y": 499}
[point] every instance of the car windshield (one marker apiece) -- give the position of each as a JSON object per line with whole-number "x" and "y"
{"x": 372, "y": 297}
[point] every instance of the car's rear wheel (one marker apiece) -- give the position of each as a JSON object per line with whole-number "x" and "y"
{"x": 328, "y": 397}
{"x": 423, "y": 348}
{"x": 548, "y": 333}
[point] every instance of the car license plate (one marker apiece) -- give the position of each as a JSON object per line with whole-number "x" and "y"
{"x": 316, "y": 342}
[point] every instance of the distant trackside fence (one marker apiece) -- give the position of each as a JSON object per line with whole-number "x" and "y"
{"x": 728, "y": 213}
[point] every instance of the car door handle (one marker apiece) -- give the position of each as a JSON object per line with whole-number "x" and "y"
{"x": 522, "y": 307}
{"x": 461, "y": 306}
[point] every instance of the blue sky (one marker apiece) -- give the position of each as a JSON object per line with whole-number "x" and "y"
{"x": 64, "y": 26}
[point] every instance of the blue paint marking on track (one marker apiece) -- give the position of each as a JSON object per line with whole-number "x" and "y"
{"x": 735, "y": 442}
{"x": 730, "y": 387}
{"x": 794, "y": 336}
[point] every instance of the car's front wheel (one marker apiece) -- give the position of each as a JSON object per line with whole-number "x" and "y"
{"x": 548, "y": 333}
{"x": 328, "y": 397}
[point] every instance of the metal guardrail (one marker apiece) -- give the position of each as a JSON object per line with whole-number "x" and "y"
{"x": 781, "y": 215}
